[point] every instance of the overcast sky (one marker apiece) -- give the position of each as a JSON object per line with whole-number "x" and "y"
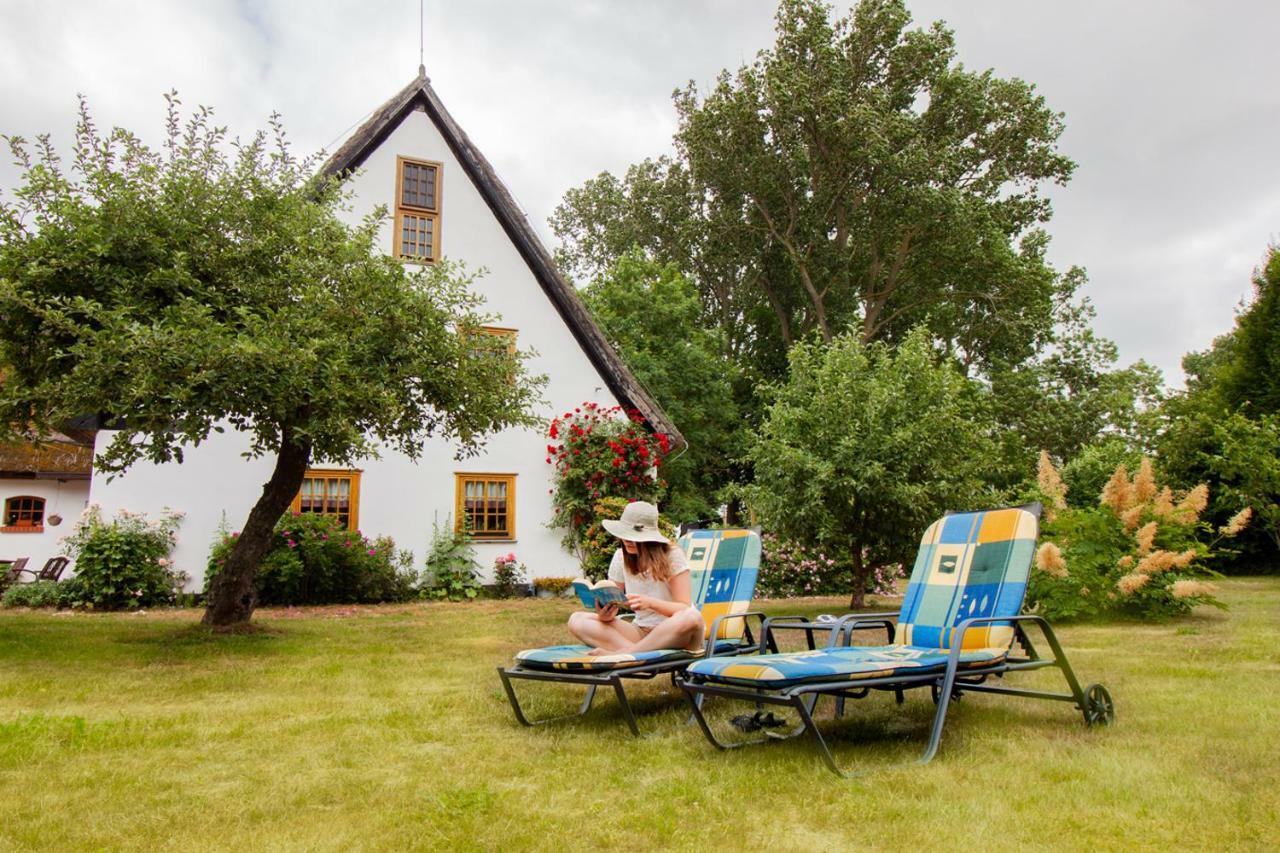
{"x": 1172, "y": 108}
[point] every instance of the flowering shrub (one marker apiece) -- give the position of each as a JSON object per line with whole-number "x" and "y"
{"x": 789, "y": 569}
{"x": 313, "y": 559}
{"x": 1136, "y": 552}
{"x": 124, "y": 564}
{"x": 600, "y": 453}
{"x": 508, "y": 576}
{"x": 452, "y": 570}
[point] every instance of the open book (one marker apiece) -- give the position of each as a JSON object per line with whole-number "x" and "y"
{"x": 605, "y": 592}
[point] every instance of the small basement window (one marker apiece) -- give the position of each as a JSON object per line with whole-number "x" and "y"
{"x": 23, "y": 514}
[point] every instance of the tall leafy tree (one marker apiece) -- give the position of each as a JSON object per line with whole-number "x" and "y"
{"x": 855, "y": 175}
{"x": 651, "y": 315}
{"x": 1239, "y": 458}
{"x": 659, "y": 208}
{"x": 1251, "y": 379}
{"x": 1224, "y": 429}
{"x": 864, "y": 445}
{"x": 213, "y": 284}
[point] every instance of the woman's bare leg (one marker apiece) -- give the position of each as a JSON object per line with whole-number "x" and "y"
{"x": 684, "y": 630}
{"x": 613, "y": 636}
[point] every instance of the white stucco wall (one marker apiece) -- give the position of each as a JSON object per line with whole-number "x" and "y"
{"x": 66, "y": 498}
{"x": 399, "y": 498}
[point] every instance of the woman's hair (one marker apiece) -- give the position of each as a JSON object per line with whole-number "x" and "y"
{"x": 650, "y": 561}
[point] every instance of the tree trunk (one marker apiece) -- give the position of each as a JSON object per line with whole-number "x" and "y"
{"x": 859, "y": 597}
{"x": 733, "y": 513}
{"x": 819, "y": 307}
{"x": 231, "y": 597}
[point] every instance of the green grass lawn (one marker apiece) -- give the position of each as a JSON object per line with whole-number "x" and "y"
{"x": 376, "y": 728}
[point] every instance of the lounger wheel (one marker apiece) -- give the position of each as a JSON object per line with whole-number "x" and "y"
{"x": 1099, "y": 709}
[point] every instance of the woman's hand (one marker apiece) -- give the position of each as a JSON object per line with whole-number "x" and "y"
{"x": 607, "y": 613}
{"x": 640, "y": 602}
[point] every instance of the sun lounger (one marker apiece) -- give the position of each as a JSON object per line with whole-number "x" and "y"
{"x": 954, "y": 635}
{"x": 723, "y": 565}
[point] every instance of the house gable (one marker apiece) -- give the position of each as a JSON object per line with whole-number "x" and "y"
{"x": 420, "y": 96}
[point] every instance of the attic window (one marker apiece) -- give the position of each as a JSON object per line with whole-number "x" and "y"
{"x": 417, "y": 223}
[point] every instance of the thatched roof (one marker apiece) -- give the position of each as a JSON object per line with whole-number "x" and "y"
{"x": 62, "y": 457}
{"x": 419, "y": 95}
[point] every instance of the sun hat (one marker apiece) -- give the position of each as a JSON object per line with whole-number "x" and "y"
{"x": 639, "y": 523}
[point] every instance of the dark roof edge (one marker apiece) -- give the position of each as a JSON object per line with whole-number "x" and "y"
{"x": 612, "y": 369}
{"x": 61, "y": 476}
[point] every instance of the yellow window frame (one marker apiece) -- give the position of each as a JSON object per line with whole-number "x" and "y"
{"x": 402, "y": 210}
{"x": 350, "y": 475}
{"x": 461, "y": 479}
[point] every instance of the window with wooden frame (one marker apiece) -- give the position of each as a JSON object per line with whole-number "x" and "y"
{"x": 486, "y": 503}
{"x": 417, "y": 221}
{"x": 330, "y": 491}
{"x": 23, "y": 514}
{"x": 502, "y": 334}
{"x": 494, "y": 339}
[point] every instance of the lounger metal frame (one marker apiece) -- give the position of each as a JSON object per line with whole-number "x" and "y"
{"x": 1094, "y": 701}
{"x": 642, "y": 670}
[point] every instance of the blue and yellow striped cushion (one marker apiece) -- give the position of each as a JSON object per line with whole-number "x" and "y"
{"x": 970, "y": 564}
{"x": 723, "y": 567}
{"x": 577, "y": 659}
{"x": 840, "y": 664}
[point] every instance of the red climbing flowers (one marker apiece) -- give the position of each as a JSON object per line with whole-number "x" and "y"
{"x": 601, "y": 452}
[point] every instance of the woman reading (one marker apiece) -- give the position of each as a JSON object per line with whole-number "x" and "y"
{"x": 654, "y": 575}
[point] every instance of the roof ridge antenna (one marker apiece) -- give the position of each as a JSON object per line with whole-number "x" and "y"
{"x": 422, "y": 68}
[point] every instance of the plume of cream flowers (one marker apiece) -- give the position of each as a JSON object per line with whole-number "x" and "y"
{"x": 1050, "y": 481}
{"x": 1144, "y": 482}
{"x": 1146, "y": 537}
{"x": 1238, "y": 522}
{"x": 1118, "y": 492}
{"x": 1131, "y": 516}
{"x": 1163, "y": 561}
{"x": 1163, "y": 504}
{"x": 1131, "y": 583}
{"x": 1049, "y": 560}
{"x": 1194, "y": 503}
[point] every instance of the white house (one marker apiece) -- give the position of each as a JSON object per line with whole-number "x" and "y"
{"x": 446, "y": 202}
{"x": 43, "y": 490}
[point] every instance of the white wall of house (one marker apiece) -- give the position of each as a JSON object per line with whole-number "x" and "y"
{"x": 65, "y": 498}
{"x": 399, "y": 498}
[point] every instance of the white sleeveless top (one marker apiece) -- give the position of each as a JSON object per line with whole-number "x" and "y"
{"x": 637, "y": 585}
